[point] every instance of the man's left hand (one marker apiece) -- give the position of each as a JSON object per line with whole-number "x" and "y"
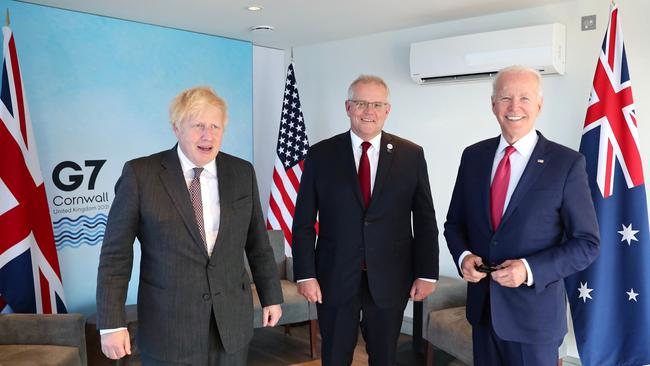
{"x": 271, "y": 315}
{"x": 422, "y": 289}
{"x": 511, "y": 273}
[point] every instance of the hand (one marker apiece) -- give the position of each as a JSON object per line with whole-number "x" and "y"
{"x": 421, "y": 289}
{"x": 310, "y": 289}
{"x": 468, "y": 268}
{"x": 116, "y": 345}
{"x": 271, "y": 315}
{"x": 511, "y": 273}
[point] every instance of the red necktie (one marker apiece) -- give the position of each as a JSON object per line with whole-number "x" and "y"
{"x": 364, "y": 173}
{"x": 499, "y": 188}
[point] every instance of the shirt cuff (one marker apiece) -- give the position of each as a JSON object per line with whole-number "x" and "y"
{"x": 428, "y": 279}
{"x": 529, "y": 276}
{"x": 460, "y": 259}
{"x": 106, "y": 331}
{"x": 305, "y": 279}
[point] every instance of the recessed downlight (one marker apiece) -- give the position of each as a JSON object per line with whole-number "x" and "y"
{"x": 254, "y": 8}
{"x": 261, "y": 28}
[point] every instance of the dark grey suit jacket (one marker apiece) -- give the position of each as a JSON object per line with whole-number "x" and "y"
{"x": 179, "y": 285}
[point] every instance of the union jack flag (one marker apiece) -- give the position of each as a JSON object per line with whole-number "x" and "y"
{"x": 610, "y": 300}
{"x": 30, "y": 278}
{"x": 290, "y": 157}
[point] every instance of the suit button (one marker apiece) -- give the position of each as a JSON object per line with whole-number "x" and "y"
{"x": 495, "y": 243}
{"x": 366, "y": 223}
{"x": 206, "y": 297}
{"x": 210, "y": 265}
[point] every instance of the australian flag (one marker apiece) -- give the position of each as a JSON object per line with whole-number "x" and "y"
{"x": 610, "y": 300}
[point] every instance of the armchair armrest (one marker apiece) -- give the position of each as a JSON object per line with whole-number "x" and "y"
{"x": 56, "y": 329}
{"x": 288, "y": 269}
{"x": 450, "y": 293}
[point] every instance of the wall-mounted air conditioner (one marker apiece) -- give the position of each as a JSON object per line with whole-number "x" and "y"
{"x": 476, "y": 56}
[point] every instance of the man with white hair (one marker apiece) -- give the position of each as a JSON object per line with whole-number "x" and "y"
{"x": 520, "y": 220}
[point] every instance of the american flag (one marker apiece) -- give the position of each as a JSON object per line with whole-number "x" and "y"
{"x": 290, "y": 152}
{"x": 610, "y": 300}
{"x": 30, "y": 278}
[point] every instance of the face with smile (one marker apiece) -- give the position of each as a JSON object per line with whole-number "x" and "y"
{"x": 516, "y": 103}
{"x": 367, "y": 119}
{"x": 199, "y": 136}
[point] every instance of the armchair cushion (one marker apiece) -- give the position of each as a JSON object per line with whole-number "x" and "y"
{"x": 39, "y": 355}
{"x": 64, "y": 330}
{"x": 449, "y": 331}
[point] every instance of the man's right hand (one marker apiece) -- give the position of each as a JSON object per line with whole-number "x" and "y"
{"x": 310, "y": 289}
{"x": 116, "y": 345}
{"x": 468, "y": 268}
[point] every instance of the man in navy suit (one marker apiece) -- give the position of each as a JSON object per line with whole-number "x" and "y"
{"x": 378, "y": 241}
{"x": 520, "y": 220}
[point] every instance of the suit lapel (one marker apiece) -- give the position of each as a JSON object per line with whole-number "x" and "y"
{"x": 533, "y": 169}
{"x": 383, "y": 166}
{"x": 484, "y": 173}
{"x": 174, "y": 182}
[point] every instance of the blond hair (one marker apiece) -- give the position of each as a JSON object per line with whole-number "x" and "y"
{"x": 190, "y": 102}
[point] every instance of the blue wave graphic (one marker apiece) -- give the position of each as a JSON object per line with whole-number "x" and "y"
{"x": 77, "y": 244}
{"x": 78, "y": 231}
{"x": 82, "y": 218}
{"x": 78, "y": 235}
{"x": 88, "y": 225}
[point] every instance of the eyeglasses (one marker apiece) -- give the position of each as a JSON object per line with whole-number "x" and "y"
{"x": 362, "y": 104}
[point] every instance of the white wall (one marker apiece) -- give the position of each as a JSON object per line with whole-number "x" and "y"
{"x": 268, "y": 91}
{"x": 445, "y": 118}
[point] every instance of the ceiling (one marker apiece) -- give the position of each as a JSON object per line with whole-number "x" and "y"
{"x": 296, "y": 22}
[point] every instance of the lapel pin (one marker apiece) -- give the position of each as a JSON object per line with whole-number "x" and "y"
{"x": 389, "y": 147}
{"x": 540, "y": 161}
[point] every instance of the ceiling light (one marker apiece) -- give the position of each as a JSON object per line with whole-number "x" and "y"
{"x": 261, "y": 28}
{"x": 254, "y": 8}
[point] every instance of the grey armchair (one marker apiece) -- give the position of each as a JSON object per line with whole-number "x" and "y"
{"x": 295, "y": 308}
{"x": 36, "y": 339}
{"x": 443, "y": 321}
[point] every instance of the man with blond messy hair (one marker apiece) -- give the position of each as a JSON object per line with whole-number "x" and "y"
{"x": 195, "y": 211}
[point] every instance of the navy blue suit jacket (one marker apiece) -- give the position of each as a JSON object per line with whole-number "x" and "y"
{"x": 550, "y": 221}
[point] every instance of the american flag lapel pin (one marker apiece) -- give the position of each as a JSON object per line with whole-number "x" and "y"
{"x": 389, "y": 148}
{"x": 540, "y": 161}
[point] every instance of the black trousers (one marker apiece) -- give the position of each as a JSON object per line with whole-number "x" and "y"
{"x": 380, "y": 327}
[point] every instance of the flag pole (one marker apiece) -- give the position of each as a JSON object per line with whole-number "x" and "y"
{"x": 7, "y": 21}
{"x": 291, "y": 54}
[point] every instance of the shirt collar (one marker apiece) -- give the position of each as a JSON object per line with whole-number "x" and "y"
{"x": 187, "y": 165}
{"x": 357, "y": 141}
{"x": 523, "y": 146}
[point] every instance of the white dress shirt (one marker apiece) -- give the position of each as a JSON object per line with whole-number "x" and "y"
{"x": 373, "y": 155}
{"x": 518, "y": 160}
{"x": 209, "y": 196}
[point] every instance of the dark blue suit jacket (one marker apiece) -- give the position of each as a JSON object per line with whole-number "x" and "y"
{"x": 396, "y": 235}
{"x": 550, "y": 221}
